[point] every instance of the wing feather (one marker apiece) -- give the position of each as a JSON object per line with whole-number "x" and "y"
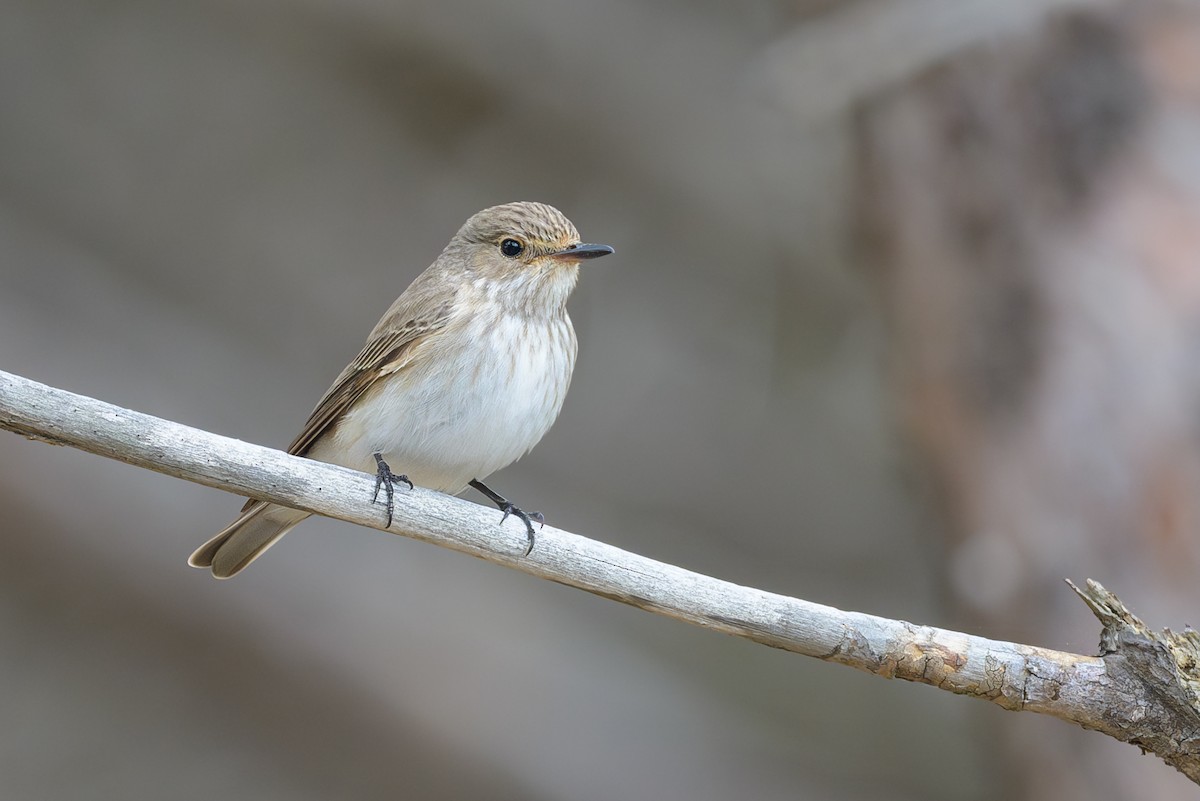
{"x": 386, "y": 354}
{"x": 390, "y": 351}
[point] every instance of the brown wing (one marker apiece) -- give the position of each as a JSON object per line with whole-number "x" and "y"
{"x": 387, "y": 353}
{"x": 382, "y": 356}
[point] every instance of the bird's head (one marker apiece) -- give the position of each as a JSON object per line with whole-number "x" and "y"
{"x": 524, "y": 249}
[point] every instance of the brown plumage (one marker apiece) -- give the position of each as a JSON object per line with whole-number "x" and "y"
{"x": 460, "y": 377}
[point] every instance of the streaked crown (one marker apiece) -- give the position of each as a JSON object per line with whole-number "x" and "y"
{"x": 535, "y": 223}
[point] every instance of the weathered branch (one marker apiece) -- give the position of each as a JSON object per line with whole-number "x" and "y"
{"x": 1144, "y": 689}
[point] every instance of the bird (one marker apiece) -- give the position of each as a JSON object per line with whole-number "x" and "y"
{"x": 462, "y": 376}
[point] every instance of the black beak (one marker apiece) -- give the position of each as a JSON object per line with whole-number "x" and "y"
{"x": 580, "y": 252}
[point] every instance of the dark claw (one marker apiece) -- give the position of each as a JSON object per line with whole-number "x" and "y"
{"x": 503, "y": 505}
{"x": 527, "y": 518}
{"x": 385, "y": 478}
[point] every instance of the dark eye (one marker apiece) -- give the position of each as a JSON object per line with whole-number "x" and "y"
{"x": 511, "y": 248}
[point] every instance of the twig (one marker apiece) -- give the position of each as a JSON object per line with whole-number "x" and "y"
{"x": 1144, "y": 689}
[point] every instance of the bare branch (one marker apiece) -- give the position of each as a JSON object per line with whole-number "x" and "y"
{"x": 1143, "y": 690}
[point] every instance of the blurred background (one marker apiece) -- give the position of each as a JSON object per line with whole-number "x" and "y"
{"x": 905, "y": 319}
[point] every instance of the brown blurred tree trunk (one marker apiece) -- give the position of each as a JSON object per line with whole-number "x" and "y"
{"x": 1034, "y": 213}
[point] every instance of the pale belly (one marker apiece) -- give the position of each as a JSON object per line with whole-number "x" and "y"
{"x": 446, "y": 423}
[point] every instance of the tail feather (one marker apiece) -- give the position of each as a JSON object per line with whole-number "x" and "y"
{"x": 258, "y": 528}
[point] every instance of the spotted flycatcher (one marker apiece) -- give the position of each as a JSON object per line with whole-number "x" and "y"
{"x": 462, "y": 376}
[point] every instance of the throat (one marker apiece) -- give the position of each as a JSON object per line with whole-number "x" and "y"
{"x": 537, "y": 294}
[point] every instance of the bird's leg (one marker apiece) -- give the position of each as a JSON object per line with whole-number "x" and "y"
{"x": 509, "y": 509}
{"x": 385, "y": 478}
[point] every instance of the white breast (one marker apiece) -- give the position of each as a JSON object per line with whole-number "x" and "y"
{"x": 469, "y": 411}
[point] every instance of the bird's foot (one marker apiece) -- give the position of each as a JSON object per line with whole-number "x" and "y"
{"x": 527, "y": 518}
{"x": 511, "y": 509}
{"x": 387, "y": 480}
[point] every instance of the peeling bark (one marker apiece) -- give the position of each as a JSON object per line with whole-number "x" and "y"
{"x": 1141, "y": 690}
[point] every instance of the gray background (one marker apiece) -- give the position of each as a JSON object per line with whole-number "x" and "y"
{"x": 204, "y": 207}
